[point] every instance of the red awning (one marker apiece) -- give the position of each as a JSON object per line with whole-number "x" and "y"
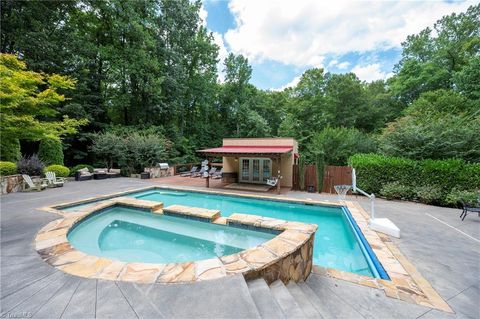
{"x": 248, "y": 150}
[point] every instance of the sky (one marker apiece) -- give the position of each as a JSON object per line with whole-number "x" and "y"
{"x": 283, "y": 38}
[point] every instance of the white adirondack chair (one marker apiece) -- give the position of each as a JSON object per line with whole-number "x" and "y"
{"x": 53, "y": 180}
{"x": 31, "y": 185}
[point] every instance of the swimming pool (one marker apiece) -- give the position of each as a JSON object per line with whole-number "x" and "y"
{"x": 133, "y": 235}
{"x": 338, "y": 242}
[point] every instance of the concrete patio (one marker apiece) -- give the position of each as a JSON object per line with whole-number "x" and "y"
{"x": 443, "y": 248}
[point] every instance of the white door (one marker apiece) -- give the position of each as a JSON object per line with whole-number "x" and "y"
{"x": 255, "y": 170}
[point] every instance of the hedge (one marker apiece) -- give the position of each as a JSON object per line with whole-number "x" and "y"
{"x": 396, "y": 177}
{"x": 59, "y": 170}
{"x": 8, "y": 168}
{"x": 50, "y": 151}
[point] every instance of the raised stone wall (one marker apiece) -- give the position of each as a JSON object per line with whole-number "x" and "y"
{"x": 11, "y": 183}
{"x": 288, "y": 256}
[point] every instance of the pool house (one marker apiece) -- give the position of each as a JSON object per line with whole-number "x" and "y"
{"x": 256, "y": 161}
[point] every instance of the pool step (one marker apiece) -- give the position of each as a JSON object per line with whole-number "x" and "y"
{"x": 307, "y": 300}
{"x": 287, "y": 302}
{"x": 262, "y": 296}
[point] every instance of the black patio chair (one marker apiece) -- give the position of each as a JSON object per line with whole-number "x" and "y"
{"x": 468, "y": 209}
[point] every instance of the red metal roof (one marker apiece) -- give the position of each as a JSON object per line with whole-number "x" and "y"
{"x": 248, "y": 150}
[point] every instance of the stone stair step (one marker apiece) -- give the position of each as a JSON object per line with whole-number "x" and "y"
{"x": 303, "y": 301}
{"x": 262, "y": 296}
{"x": 315, "y": 301}
{"x": 286, "y": 301}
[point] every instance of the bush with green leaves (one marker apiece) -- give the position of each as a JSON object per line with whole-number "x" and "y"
{"x": 74, "y": 169}
{"x": 455, "y": 197}
{"x": 336, "y": 144}
{"x": 50, "y": 151}
{"x": 429, "y": 194}
{"x": 395, "y": 190}
{"x": 430, "y": 180}
{"x": 7, "y": 168}
{"x": 10, "y": 149}
{"x": 132, "y": 151}
{"x": 59, "y": 170}
{"x": 32, "y": 166}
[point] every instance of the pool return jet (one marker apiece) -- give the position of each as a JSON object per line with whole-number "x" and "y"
{"x": 383, "y": 225}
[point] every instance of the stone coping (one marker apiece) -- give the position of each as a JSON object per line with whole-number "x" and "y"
{"x": 406, "y": 282}
{"x": 195, "y": 212}
{"x": 295, "y": 239}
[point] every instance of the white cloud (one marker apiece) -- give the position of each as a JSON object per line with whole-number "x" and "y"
{"x": 343, "y": 65}
{"x": 370, "y": 72}
{"x": 203, "y": 15}
{"x": 303, "y": 32}
{"x": 290, "y": 84}
{"x": 222, "y": 54}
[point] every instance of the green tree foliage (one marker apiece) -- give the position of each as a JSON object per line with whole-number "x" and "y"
{"x": 431, "y": 58}
{"x": 438, "y": 125}
{"x": 50, "y": 151}
{"x": 129, "y": 149}
{"x": 27, "y": 104}
{"x": 336, "y": 145}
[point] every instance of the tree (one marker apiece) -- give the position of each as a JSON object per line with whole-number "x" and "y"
{"x": 336, "y": 145}
{"x": 431, "y": 59}
{"x": 439, "y": 125}
{"x": 27, "y": 103}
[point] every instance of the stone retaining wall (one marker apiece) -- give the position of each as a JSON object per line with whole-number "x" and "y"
{"x": 288, "y": 256}
{"x": 11, "y": 183}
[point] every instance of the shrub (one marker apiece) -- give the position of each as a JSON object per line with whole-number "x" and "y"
{"x": 32, "y": 166}
{"x": 50, "y": 151}
{"x": 74, "y": 169}
{"x": 59, "y": 170}
{"x": 8, "y": 168}
{"x": 429, "y": 194}
{"x": 430, "y": 180}
{"x": 469, "y": 197}
{"x": 9, "y": 149}
{"x": 395, "y": 190}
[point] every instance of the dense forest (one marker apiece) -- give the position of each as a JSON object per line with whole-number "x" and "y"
{"x": 150, "y": 67}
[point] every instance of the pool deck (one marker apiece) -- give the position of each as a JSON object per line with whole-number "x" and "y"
{"x": 445, "y": 250}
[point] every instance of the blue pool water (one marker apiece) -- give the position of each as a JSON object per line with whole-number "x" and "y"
{"x": 132, "y": 235}
{"x": 337, "y": 244}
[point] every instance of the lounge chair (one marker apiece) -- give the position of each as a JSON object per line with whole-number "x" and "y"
{"x": 53, "y": 180}
{"x": 200, "y": 172}
{"x": 33, "y": 186}
{"x": 212, "y": 171}
{"x": 190, "y": 173}
{"x": 469, "y": 209}
{"x": 217, "y": 174}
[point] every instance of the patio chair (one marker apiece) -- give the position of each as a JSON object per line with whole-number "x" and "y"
{"x": 33, "y": 186}
{"x": 272, "y": 181}
{"x": 200, "y": 172}
{"x": 192, "y": 171}
{"x": 212, "y": 171}
{"x": 217, "y": 174}
{"x": 469, "y": 209}
{"x": 53, "y": 180}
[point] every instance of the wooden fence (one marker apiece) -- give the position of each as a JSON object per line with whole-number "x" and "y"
{"x": 336, "y": 175}
{"x": 310, "y": 180}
